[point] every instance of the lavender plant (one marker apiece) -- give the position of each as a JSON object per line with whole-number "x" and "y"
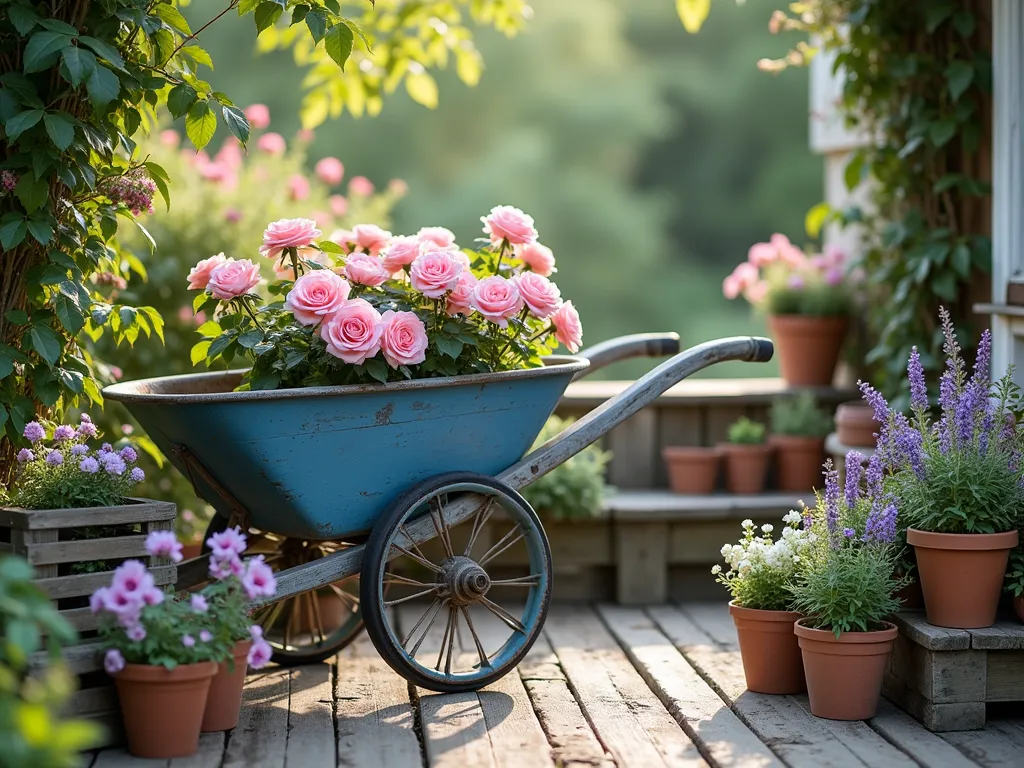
{"x": 962, "y": 472}
{"x": 847, "y": 581}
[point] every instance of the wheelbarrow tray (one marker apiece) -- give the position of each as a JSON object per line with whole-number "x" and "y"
{"x": 325, "y": 462}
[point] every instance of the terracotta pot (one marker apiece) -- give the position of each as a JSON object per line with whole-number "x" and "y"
{"x": 798, "y": 460}
{"x": 333, "y": 613}
{"x": 808, "y": 347}
{"x": 746, "y": 467}
{"x": 163, "y": 709}
{"x": 692, "y": 469}
{"x": 769, "y": 648}
{"x": 1018, "y": 607}
{"x": 844, "y": 674}
{"x": 856, "y": 426}
{"x": 192, "y": 551}
{"x": 961, "y": 575}
{"x": 225, "y": 699}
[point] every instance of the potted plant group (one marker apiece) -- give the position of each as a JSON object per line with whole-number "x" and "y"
{"x": 164, "y": 650}
{"x": 845, "y": 590}
{"x": 856, "y": 426}
{"x": 759, "y": 575}
{"x": 692, "y": 468}
{"x": 959, "y": 482}
{"x": 747, "y": 457}
{"x": 807, "y": 299}
{"x": 799, "y": 428}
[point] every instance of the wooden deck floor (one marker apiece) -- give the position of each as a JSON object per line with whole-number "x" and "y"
{"x": 605, "y": 687}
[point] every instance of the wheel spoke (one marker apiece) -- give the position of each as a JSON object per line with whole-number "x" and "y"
{"x": 523, "y": 581}
{"x": 434, "y": 609}
{"x": 424, "y": 593}
{"x": 421, "y": 560}
{"x": 484, "y": 661}
{"x": 501, "y": 546}
{"x": 314, "y": 601}
{"x": 394, "y": 578}
{"x": 449, "y": 639}
{"x": 439, "y": 526}
{"x": 483, "y": 513}
{"x": 411, "y": 540}
{"x": 504, "y": 615}
{"x": 350, "y": 600}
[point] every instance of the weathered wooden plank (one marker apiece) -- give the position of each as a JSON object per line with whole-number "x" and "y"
{"x": 713, "y": 619}
{"x": 925, "y": 747}
{"x": 864, "y": 742}
{"x": 311, "y": 739}
{"x": 718, "y": 419}
{"x": 913, "y": 625}
{"x": 1011, "y": 730}
{"x": 87, "y": 583}
{"x": 633, "y": 444}
{"x": 987, "y": 748}
{"x": 641, "y": 563}
{"x": 79, "y": 659}
{"x": 119, "y": 758}
{"x": 633, "y": 725}
{"x": 209, "y": 755}
{"x": 113, "y": 548}
{"x": 1003, "y": 636}
{"x": 143, "y": 510}
{"x": 653, "y": 505}
{"x": 88, "y": 701}
{"x": 261, "y": 736}
{"x": 1004, "y": 681}
{"x": 374, "y": 716}
{"x": 700, "y": 711}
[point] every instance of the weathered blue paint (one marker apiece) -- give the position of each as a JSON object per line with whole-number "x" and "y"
{"x": 323, "y": 463}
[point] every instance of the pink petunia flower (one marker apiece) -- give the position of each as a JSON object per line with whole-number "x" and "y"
{"x": 164, "y": 544}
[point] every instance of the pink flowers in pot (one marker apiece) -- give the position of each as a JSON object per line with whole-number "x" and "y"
{"x": 366, "y": 305}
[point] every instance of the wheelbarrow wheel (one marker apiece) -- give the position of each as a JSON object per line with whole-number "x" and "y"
{"x": 459, "y": 614}
{"x": 311, "y": 626}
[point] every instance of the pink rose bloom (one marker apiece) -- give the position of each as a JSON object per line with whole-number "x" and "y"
{"x": 339, "y": 205}
{"x": 344, "y": 238}
{"x": 170, "y": 138}
{"x": 353, "y": 333}
{"x": 435, "y": 273}
{"x": 185, "y": 314}
{"x": 537, "y": 257}
{"x": 360, "y": 185}
{"x": 272, "y": 144}
{"x": 306, "y": 134}
{"x": 298, "y": 187}
{"x": 232, "y": 215}
{"x": 233, "y": 279}
{"x": 439, "y": 236}
{"x": 401, "y": 252}
{"x": 316, "y": 295}
{"x": 330, "y": 170}
{"x": 404, "y": 340}
{"x": 258, "y": 116}
{"x": 371, "y": 238}
{"x": 217, "y": 172}
{"x": 364, "y": 269}
{"x": 507, "y": 223}
{"x": 568, "y": 329}
{"x": 460, "y": 299}
{"x": 756, "y": 292}
{"x": 778, "y": 248}
{"x": 199, "y": 276}
{"x": 497, "y": 299}
{"x": 230, "y": 154}
{"x": 322, "y": 218}
{"x": 540, "y": 294}
{"x": 288, "y": 233}
{"x": 762, "y": 254}
{"x": 745, "y": 275}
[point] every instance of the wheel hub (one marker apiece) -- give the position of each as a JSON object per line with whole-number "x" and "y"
{"x": 462, "y": 581}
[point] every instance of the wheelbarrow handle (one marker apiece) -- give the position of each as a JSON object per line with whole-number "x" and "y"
{"x": 624, "y": 347}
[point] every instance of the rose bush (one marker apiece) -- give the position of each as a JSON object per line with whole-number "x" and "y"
{"x": 363, "y": 305}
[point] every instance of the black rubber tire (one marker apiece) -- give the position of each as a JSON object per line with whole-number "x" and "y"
{"x": 374, "y": 563}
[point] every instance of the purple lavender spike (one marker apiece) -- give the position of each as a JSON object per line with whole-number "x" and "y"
{"x": 874, "y": 398}
{"x": 918, "y": 389}
{"x": 853, "y": 473}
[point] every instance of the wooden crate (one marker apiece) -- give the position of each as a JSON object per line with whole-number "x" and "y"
{"x": 945, "y": 677}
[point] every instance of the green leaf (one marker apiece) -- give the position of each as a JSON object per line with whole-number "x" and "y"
{"x": 265, "y": 381}
{"x": 17, "y": 316}
{"x": 103, "y": 50}
{"x": 959, "y": 76}
{"x": 22, "y": 18}
{"x": 23, "y": 634}
{"x": 159, "y": 177}
{"x": 198, "y": 55}
{"x": 6, "y": 369}
{"x": 316, "y": 21}
{"x": 942, "y": 131}
{"x": 221, "y": 343}
{"x": 447, "y": 345}
{"x": 816, "y": 218}
{"x": 42, "y": 50}
{"x": 199, "y": 352}
{"x": 210, "y": 329}
{"x": 155, "y": 320}
{"x": 962, "y": 260}
{"x": 180, "y": 99}
{"x": 79, "y": 63}
{"x": 173, "y": 18}
{"x": 964, "y": 22}
{"x": 266, "y": 15}
{"x": 164, "y": 42}
{"x": 12, "y": 233}
{"x": 201, "y": 124}
{"x": 693, "y": 13}
{"x": 21, "y": 122}
{"x": 61, "y": 129}
{"x": 236, "y": 122}
{"x": 247, "y": 6}
{"x": 103, "y": 86}
{"x": 944, "y": 285}
{"x": 422, "y": 88}
{"x": 46, "y": 342}
{"x": 935, "y": 14}
{"x": 56, "y": 25}
{"x": 250, "y": 338}
{"x": 40, "y": 230}
{"x": 329, "y": 246}
{"x": 70, "y": 316}
{"x": 32, "y": 192}
{"x": 338, "y": 44}
{"x": 377, "y": 368}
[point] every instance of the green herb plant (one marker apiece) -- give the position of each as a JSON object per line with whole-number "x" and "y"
{"x": 575, "y": 489}
{"x": 800, "y": 416}
{"x": 746, "y": 432}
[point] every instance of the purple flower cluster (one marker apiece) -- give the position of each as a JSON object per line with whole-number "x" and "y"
{"x": 918, "y": 390}
{"x": 8, "y": 181}
{"x": 881, "y": 524}
{"x": 831, "y": 497}
{"x": 853, "y": 475}
{"x": 134, "y": 190}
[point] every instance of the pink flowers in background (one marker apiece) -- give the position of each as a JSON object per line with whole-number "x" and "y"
{"x": 370, "y": 238}
{"x": 509, "y": 224}
{"x": 360, "y": 185}
{"x": 288, "y": 233}
{"x": 330, "y": 170}
{"x": 258, "y": 116}
{"x": 298, "y": 187}
{"x": 164, "y": 544}
{"x": 316, "y": 295}
{"x": 233, "y": 279}
{"x": 403, "y": 338}
{"x": 272, "y": 143}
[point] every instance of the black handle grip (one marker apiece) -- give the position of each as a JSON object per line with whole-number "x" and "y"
{"x": 664, "y": 345}
{"x": 764, "y": 350}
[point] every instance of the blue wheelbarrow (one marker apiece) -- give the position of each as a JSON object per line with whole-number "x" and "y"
{"x": 380, "y": 506}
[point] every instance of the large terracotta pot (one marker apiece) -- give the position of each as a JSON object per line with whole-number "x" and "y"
{"x": 1018, "y": 607}
{"x": 692, "y": 469}
{"x": 746, "y": 467}
{"x": 798, "y": 461}
{"x": 856, "y": 426}
{"x": 769, "y": 648}
{"x": 844, "y": 674}
{"x": 808, "y": 347}
{"x": 163, "y": 709}
{"x": 961, "y": 575}
{"x": 225, "y": 699}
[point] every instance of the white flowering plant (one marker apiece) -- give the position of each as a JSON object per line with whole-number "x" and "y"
{"x": 761, "y": 571}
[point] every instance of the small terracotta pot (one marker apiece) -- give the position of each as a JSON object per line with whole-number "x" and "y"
{"x": 769, "y": 648}
{"x": 225, "y": 699}
{"x": 746, "y": 467}
{"x": 961, "y": 575}
{"x": 808, "y": 347}
{"x": 798, "y": 460}
{"x": 692, "y": 469}
{"x": 163, "y": 709}
{"x": 1018, "y": 607}
{"x": 192, "y": 551}
{"x": 844, "y": 674}
{"x": 333, "y": 613}
{"x": 856, "y": 426}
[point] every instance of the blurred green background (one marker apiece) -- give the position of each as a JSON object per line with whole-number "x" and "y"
{"x": 651, "y": 159}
